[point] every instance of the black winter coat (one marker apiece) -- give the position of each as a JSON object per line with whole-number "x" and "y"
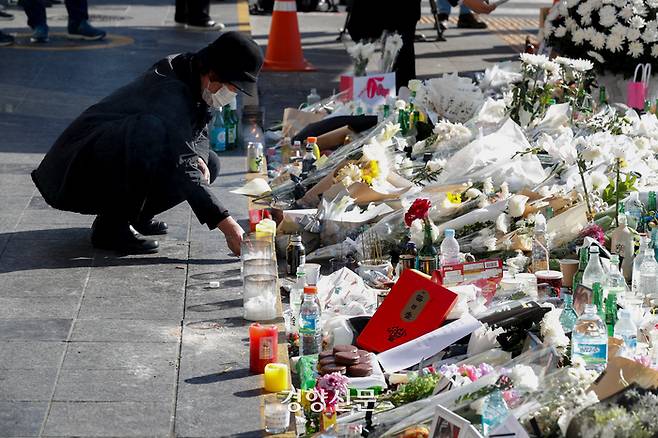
{"x": 115, "y": 153}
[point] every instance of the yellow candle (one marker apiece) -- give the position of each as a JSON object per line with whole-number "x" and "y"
{"x": 276, "y": 377}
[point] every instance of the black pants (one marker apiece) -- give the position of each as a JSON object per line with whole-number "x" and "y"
{"x": 36, "y": 12}
{"x": 192, "y": 11}
{"x": 164, "y": 193}
{"x": 405, "y": 65}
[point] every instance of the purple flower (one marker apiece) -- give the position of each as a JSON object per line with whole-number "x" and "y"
{"x": 334, "y": 382}
{"x": 595, "y": 232}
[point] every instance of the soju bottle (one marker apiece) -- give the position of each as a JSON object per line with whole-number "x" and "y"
{"x": 428, "y": 255}
{"x": 611, "y": 313}
{"x": 231, "y": 125}
{"x": 217, "y": 133}
{"x": 597, "y": 299}
{"x": 403, "y": 120}
{"x": 603, "y": 97}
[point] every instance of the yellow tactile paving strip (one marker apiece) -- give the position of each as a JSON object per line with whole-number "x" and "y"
{"x": 512, "y": 30}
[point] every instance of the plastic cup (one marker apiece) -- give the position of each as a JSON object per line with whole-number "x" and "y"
{"x": 551, "y": 278}
{"x": 568, "y": 269}
{"x": 312, "y": 271}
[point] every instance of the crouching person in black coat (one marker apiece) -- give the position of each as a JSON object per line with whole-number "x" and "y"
{"x": 140, "y": 151}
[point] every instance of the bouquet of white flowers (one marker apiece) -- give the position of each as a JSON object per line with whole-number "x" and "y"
{"x": 615, "y": 34}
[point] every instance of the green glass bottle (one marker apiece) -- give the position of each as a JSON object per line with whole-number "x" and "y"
{"x": 597, "y": 299}
{"x": 428, "y": 255}
{"x": 603, "y": 96}
{"x": 403, "y": 120}
{"x": 583, "y": 258}
{"x": 611, "y": 312}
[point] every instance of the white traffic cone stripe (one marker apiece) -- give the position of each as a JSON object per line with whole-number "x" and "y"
{"x": 285, "y": 6}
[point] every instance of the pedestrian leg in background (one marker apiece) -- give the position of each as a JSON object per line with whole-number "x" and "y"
{"x": 405, "y": 65}
{"x": 467, "y": 20}
{"x": 6, "y": 39}
{"x": 198, "y": 15}
{"x": 78, "y": 26}
{"x": 444, "y": 11}
{"x": 36, "y": 19}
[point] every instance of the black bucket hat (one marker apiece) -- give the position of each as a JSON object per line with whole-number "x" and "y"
{"x": 236, "y": 59}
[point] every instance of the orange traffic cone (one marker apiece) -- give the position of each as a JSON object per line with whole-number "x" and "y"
{"x": 284, "y": 46}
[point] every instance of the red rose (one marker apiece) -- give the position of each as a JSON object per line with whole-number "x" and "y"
{"x": 419, "y": 210}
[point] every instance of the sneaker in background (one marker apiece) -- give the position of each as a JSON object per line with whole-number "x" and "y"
{"x": 39, "y": 35}
{"x": 85, "y": 31}
{"x": 6, "y": 40}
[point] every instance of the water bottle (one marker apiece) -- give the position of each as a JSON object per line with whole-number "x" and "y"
{"x": 637, "y": 264}
{"x": 296, "y": 296}
{"x": 310, "y": 325}
{"x": 590, "y": 340}
{"x": 449, "y": 249}
{"x": 633, "y": 209}
{"x": 217, "y": 134}
{"x": 615, "y": 283}
{"x": 313, "y": 97}
{"x": 594, "y": 272}
{"x": 648, "y": 273}
{"x": 626, "y": 330}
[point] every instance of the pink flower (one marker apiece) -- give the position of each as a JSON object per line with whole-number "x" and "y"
{"x": 595, "y": 232}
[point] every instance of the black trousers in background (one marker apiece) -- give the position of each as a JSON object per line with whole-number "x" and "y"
{"x": 36, "y": 12}
{"x": 192, "y": 11}
{"x": 405, "y": 64}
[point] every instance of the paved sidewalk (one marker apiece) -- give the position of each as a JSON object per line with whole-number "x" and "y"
{"x": 92, "y": 344}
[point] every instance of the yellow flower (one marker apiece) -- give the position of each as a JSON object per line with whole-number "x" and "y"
{"x": 454, "y": 198}
{"x": 370, "y": 171}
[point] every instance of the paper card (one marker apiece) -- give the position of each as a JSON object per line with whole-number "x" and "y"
{"x": 485, "y": 274}
{"x": 448, "y": 424}
{"x": 412, "y": 352}
{"x": 373, "y": 89}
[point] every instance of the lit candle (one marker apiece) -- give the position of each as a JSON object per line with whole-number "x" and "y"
{"x": 276, "y": 377}
{"x": 263, "y": 346}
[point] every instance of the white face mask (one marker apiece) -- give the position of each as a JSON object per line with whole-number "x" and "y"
{"x": 220, "y": 99}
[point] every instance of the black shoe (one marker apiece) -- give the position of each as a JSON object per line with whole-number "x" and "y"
{"x": 151, "y": 227}
{"x": 468, "y": 21}
{"x": 207, "y": 25}
{"x": 4, "y": 16}
{"x": 6, "y": 40}
{"x": 121, "y": 237}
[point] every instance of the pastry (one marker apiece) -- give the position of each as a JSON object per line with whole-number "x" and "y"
{"x": 359, "y": 370}
{"x": 346, "y": 358}
{"x": 345, "y": 348}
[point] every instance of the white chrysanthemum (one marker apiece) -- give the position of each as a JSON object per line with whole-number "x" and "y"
{"x": 619, "y": 29}
{"x": 639, "y": 8}
{"x": 626, "y": 12}
{"x": 562, "y": 9}
{"x": 579, "y": 37}
{"x": 552, "y": 331}
{"x": 571, "y": 24}
{"x": 608, "y": 16}
{"x": 614, "y": 43}
{"x": 637, "y": 22}
{"x": 349, "y": 175}
{"x": 560, "y": 32}
{"x": 552, "y": 68}
{"x": 436, "y": 165}
{"x": 650, "y": 33}
{"x": 633, "y": 35}
{"x": 654, "y": 51}
{"x": 598, "y": 40}
{"x": 636, "y": 49}
{"x": 549, "y": 29}
{"x": 586, "y": 19}
{"x": 585, "y": 8}
{"x": 589, "y": 32}
{"x": 652, "y": 3}
{"x": 400, "y": 104}
{"x": 620, "y": 3}
{"x": 582, "y": 65}
{"x": 534, "y": 60}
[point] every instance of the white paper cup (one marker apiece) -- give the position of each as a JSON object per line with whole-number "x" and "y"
{"x": 312, "y": 271}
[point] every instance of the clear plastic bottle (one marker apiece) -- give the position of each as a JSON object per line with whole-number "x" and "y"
{"x": 594, "y": 272}
{"x": 308, "y": 162}
{"x": 590, "y": 339}
{"x": 637, "y": 264}
{"x": 313, "y": 97}
{"x": 568, "y": 317}
{"x": 449, "y": 249}
{"x": 310, "y": 325}
{"x": 626, "y": 330}
{"x": 633, "y": 208}
{"x": 615, "y": 283}
{"x": 540, "y": 254}
{"x": 296, "y": 295}
{"x": 648, "y": 273}
{"x": 312, "y": 142}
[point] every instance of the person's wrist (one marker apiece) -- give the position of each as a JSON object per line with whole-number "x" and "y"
{"x": 226, "y": 224}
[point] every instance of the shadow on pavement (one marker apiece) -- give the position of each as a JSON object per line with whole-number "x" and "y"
{"x": 232, "y": 374}
{"x": 65, "y": 248}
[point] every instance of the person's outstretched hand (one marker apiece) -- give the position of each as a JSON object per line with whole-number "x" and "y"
{"x": 204, "y": 170}
{"x": 233, "y": 233}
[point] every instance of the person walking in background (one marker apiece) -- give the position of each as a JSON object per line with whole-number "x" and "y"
{"x": 78, "y": 23}
{"x": 195, "y": 14}
{"x": 466, "y": 18}
{"x": 370, "y": 18}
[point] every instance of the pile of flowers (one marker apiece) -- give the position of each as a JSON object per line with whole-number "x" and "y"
{"x": 615, "y": 34}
